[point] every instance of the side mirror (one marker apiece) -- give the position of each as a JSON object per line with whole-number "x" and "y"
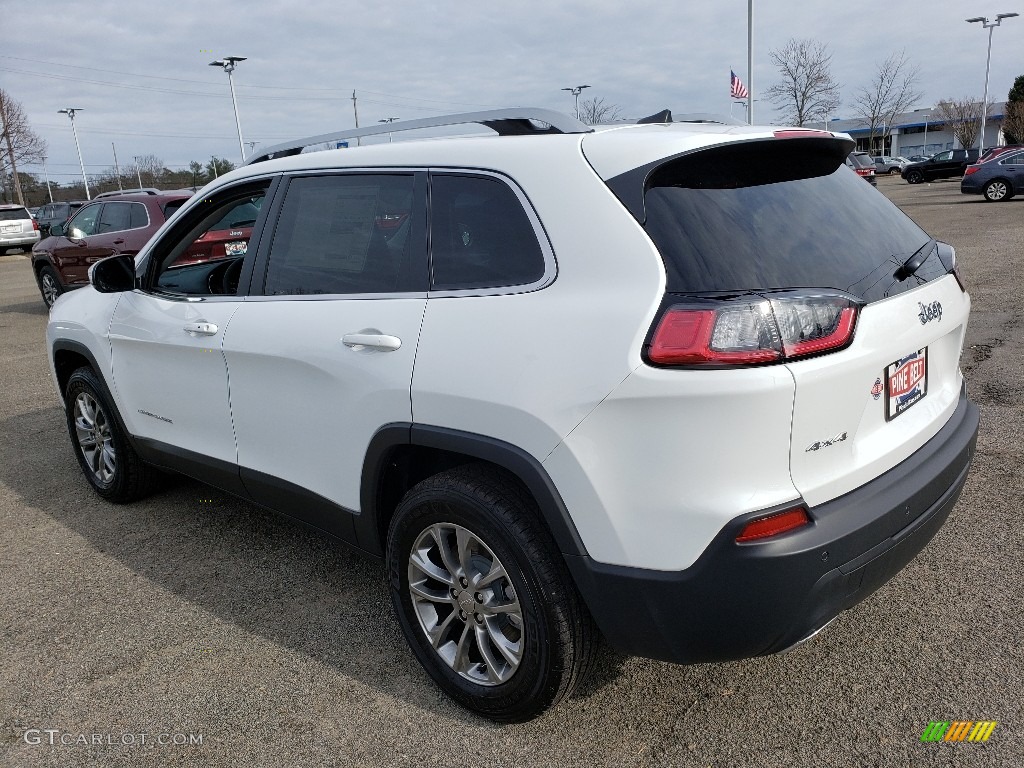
{"x": 55, "y": 230}
{"x": 114, "y": 274}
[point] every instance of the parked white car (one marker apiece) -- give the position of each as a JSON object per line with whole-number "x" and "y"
{"x": 560, "y": 380}
{"x": 889, "y": 165}
{"x": 18, "y": 228}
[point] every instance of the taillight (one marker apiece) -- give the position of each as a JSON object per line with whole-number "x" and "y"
{"x": 971, "y": 169}
{"x": 752, "y": 330}
{"x": 773, "y": 525}
{"x": 35, "y": 225}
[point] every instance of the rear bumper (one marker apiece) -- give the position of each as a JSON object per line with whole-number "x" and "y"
{"x": 970, "y": 185}
{"x": 12, "y": 241}
{"x": 738, "y": 601}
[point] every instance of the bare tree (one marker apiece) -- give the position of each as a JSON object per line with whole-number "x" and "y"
{"x": 807, "y": 90}
{"x": 151, "y": 165}
{"x": 597, "y": 111}
{"x": 22, "y": 144}
{"x": 893, "y": 91}
{"x": 963, "y": 117}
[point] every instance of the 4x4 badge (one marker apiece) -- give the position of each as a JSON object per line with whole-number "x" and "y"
{"x": 825, "y": 443}
{"x": 930, "y": 312}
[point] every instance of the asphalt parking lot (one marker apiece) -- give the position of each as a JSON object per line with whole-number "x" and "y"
{"x": 195, "y": 617}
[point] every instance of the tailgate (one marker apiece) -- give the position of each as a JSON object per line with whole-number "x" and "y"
{"x": 862, "y": 411}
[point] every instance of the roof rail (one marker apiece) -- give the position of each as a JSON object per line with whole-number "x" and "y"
{"x": 518, "y": 121}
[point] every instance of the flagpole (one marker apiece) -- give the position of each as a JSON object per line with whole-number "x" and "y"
{"x": 750, "y": 62}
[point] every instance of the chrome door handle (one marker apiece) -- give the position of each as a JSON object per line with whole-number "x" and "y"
{"x": 200, "y": 329}
{"x": 383, "y": 342}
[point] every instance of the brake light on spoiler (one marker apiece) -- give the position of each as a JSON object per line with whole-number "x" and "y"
{"x": 751, "y": 329}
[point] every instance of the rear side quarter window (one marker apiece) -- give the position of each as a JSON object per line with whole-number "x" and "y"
{"x": 481, "y": 237}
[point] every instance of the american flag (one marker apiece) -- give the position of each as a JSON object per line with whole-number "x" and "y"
{"x": 736, "y": 87}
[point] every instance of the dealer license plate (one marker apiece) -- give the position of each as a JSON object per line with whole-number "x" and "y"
{"x": 906, "y": 383}
{"x": 236, "y": 249}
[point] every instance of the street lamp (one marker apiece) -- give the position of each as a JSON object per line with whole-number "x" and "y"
{"x": 989, "y": 25}
{"x": 925, "y": 150}
{"x": 70, "y": 112}
{"x": 138, "y": 172}
{"x": 389, "y": 120}
{"x": 228, "y": 64}
{"x": 576, "y": 91}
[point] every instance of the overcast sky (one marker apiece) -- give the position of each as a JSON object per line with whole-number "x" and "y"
{"x": 139, "y": 70}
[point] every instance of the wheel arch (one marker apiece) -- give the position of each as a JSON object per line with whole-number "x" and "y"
{"x": 69, "y": 356}
{"x": 1011, "y": 191}
{"x": 401, "y": 454}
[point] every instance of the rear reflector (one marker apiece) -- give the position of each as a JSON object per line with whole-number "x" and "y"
{"x": 773, "y": 525}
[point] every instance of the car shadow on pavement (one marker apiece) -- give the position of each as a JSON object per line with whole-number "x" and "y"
{"x": 248, "y": 566}
{"x": 35, "y": 307}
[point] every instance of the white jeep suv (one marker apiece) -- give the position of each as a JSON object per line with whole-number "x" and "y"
{"x": 691, "y": 386}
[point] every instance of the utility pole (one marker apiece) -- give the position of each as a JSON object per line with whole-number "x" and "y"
{"x": 117, "y": 169}
{"x": 989, "y": 25}
{"x": 138, "y": 173}
{"x": 70, "y": 112}
{"x": 355, "y": 111}
{"x": 47, "y": 175}
{"x": 389, "y": 120}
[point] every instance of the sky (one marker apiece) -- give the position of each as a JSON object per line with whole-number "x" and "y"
{"x": 139, "y": 70}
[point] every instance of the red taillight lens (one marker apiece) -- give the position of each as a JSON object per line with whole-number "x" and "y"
{"x": 35, "y": 225}
{"x": 753, "y": 330}
{"x": 971, "y": 169}
{"x": 773, "y": 525}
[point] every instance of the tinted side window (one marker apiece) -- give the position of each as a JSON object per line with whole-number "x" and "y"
{"x": 115, "y": 217}
{"x": 342, "y": 234}
{"x": 480, "y": 236}
{"x": 139, "y": 216}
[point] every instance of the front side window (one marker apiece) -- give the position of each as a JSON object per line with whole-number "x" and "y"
{"x": 85, "y": 222}
{"x": 198, "y": 256}
{"x": 944, "y": 156}
{"x": 480, "y": 236}
{"x": 343, "y": 234}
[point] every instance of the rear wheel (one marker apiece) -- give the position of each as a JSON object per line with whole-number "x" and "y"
{"x": 49, "y": 285}
{"x": 914, "y": 177}
{"x": 483, "y": 595}
{"x": 997, "y": 190}
{"x": 894, "y": 171}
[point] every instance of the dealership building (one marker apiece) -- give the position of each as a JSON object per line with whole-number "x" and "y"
{"x": 920, "y": 132}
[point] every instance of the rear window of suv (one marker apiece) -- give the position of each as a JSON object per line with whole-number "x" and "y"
{"x": 14, "y": 214}
{"x": 783, "y": 214}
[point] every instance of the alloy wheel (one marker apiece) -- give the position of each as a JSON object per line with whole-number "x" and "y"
{"x": 95, "y": 438}
{"x": 50, "y": 289}
{"x": 466, "y": 604}
{"x": 996, "y": 190}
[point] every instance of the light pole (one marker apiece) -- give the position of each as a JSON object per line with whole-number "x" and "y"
{"x": 925, "y": 150}
{"x": 70, "y": 112}
{"x": 389, "y": 120}
{"x": 750, "y": 62}
{"x": 138, "y": 173}
{"x": 989, "y": 25}
{"x": 228, "y": 64}
{"x": 576, "y": 90}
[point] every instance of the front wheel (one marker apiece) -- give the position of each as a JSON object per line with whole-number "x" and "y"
{"x": 49, "y": 286}
{"x": 107, "y": 459}
{"x": 894, "y": 171}
{"x": 483, "y": 596}
{"x": 915, "y": 177}
{"x": 997, "y": 190}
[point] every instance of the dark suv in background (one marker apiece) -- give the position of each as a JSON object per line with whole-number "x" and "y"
{"x": 56, "y": 213}
{"x": 944, "y": 165}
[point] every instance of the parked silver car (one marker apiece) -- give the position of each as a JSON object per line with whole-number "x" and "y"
{"x": 17, "y": 228}
{"x": 890, "y": 165}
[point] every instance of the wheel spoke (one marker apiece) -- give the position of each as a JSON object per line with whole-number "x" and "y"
{"x": 496, "y": 572}
{"x": 463, "y": 540}
{"x": 440, "y": 630}
{"x": 513, "y": 652}
{"x": 419, "y": 589}
{"x": 418, "y": 560}
{"x": 493, "y": 665}
{"x": 493, "y": 609}
{"x": 441, "y": 539}
{"x": 461, "y": 660}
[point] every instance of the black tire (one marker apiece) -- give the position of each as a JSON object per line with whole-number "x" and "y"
{"x": 113, "y": 468}
{"x": 894, "y": 171}
{"x": 998, "y": 191}
{"x": 49, "y": 286}
{"x": 914, "y": 177}
{"x": 556, "y": 637}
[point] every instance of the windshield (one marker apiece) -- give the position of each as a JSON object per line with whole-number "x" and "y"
{"x": 826, "y": 229}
